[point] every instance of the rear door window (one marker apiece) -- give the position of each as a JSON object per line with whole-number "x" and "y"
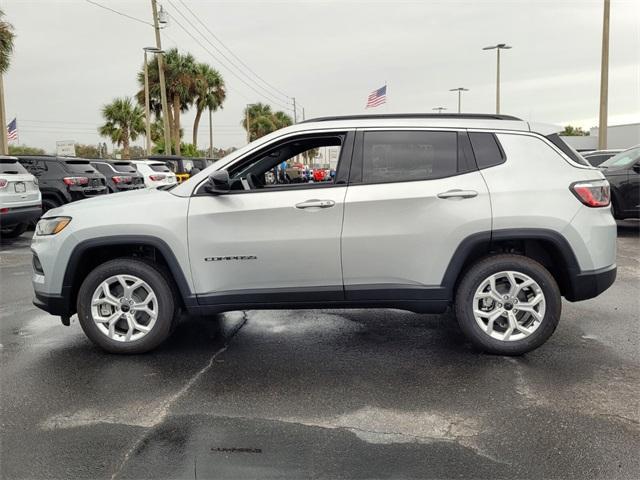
{"x": 486, "y": 149}
{"x": 401, "y": 156}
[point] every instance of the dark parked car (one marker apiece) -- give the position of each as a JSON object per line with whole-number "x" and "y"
{"x": 63, "y": 180}
{"x": 596, "y": 157}
{"x": 623, "y": 173}
{"x": 121, "y": 176}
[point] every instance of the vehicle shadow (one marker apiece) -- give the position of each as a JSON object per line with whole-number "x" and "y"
{"x": 628, "y": 228}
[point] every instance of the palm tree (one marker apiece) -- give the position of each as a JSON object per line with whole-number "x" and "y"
{"x": 263, "y": 120}
{"x": 180, "y": 74}
{"x": 6, "y": 43}
{"x": 124, "y": 122}
{"x": 209, "y": 93}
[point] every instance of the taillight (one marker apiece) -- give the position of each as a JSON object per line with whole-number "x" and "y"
{"x": 120, "y": 179}
{"x": 3, "y": 182}
{"x": 76, "y": 180}
{"x": 155, "y": 178}
{"x": 594, "y": 193}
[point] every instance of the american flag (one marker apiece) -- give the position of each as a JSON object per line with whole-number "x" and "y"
{"x": 12, "y": 130}
{"x": 377, "y": 97}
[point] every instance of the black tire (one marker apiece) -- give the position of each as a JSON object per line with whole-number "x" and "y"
{"x": 48, "y": 204}
{"x": 482, "y": 270}
{"x": 158, "y": 281}
{"x": 15, "y": 231}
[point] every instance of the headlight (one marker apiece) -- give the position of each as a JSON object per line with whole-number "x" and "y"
{"x": 52, "y": 225}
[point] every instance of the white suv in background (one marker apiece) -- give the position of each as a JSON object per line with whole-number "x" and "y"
{"x": 488, "y": 214}
{"x": 156, "y": 174}
{"x": 20, "y": 198}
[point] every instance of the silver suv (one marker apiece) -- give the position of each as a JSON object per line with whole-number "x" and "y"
{"x": 488, "y": 214}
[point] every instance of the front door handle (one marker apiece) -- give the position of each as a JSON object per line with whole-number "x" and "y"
{"x": 458, "y": 194}
{"x": 316, "y": 204}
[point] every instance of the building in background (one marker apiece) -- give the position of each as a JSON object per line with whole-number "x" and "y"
{"x": 618, "y": 136}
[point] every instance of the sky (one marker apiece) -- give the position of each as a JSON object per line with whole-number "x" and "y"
{"x": 72, "y": 57}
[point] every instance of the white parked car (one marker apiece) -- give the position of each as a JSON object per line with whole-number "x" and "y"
{"x": 156, "y": 174}
{"x": 20, "y": 198}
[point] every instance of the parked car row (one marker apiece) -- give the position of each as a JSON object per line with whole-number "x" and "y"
{"x": 32, "y": 184}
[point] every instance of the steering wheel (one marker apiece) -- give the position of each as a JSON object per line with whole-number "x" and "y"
{"x": 253, "y": 181}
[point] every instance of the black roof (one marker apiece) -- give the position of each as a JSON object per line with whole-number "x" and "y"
{"x": 476, "y": 116}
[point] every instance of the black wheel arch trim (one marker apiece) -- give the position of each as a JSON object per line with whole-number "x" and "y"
{"x": 137, "y": 240}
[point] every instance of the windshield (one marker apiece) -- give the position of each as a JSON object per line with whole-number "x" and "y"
{"x": 124, "y": 167}
{"x": 11, "y": 167}
{"x": 79, "y": 166}
{"x": 622, "y": 159}
{"x": 159, "y": 167}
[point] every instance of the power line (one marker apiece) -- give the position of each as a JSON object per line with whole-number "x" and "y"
{"x": 119, "y": 13}
{"x": 232, "y": 53}
{"x": 267, "y": 96}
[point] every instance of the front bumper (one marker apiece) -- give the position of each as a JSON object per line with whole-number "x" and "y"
{"x": 54, "y": 304}
{"x": 20, "y": 215}
{"x": 585, "y": 285}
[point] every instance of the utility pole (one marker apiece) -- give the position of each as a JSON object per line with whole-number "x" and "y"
{"x": 459, "y": 90}
{"x": 498, "y": 47}
{"x": 303, "y": 117}
{"x": 163, "y": 88}
{"x": 4, "y": 141}
{"x": 295, "y": 112}
{"x": 604, "y": 79}
{"x": 210, "y": 134}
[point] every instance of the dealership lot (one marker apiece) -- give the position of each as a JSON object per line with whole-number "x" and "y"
{"x": 327, "y": 394}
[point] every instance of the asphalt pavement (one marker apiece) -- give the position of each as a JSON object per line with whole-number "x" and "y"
{"x": 322, "y": 394}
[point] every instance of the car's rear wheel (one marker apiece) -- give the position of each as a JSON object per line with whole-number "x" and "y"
{"x": 14, "y": 231}
{"x": 508, "y": 304}
{"x": 126, "y": 306}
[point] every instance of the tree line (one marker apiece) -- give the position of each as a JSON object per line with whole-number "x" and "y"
{"x": 189, "y": 84}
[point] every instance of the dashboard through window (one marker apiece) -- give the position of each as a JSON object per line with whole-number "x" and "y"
{"x": 306, "y": 160}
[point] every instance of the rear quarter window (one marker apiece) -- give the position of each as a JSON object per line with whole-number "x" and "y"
{"x": 567, "y": 149}
{"x": 486, "y": 149}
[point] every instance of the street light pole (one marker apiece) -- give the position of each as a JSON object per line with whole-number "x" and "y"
{"x": 163, "y": 88}
{"x": 459, "y": 90}
{"x": 146, "y": 95}
{"x": 498, "y": 47}
{"x": 604, "y": 79}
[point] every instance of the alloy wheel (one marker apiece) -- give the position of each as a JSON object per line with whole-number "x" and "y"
{"x": 509, "y": 306}
{"x": 124, "y": 307}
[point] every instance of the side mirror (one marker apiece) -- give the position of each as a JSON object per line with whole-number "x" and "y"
{"x": 218, "y": 183}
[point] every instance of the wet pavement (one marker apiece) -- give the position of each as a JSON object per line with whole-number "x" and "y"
{"x": 322, "y": 394}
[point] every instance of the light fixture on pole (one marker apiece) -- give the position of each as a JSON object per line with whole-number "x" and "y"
{"x": 439, "y": 109}
{"x": 459, "y": 90}
{"x": 146, "y": 94}
{"x": 498, "y": 47}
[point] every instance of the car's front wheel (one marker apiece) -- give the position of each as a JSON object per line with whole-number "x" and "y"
{"x": 508, "y": 304}
{"x": 126, "y": 306}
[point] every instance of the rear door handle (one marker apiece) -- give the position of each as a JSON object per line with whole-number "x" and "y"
{"x": 458, "y": 194}
{"x": 316, "y": 204}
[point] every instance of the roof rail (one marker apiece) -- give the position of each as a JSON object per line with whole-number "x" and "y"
{"x": 478, "y": 116}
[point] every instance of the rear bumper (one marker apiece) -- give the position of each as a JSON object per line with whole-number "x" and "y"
{"x": 20, "y": 215}
{"x": 585, "y": 285}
